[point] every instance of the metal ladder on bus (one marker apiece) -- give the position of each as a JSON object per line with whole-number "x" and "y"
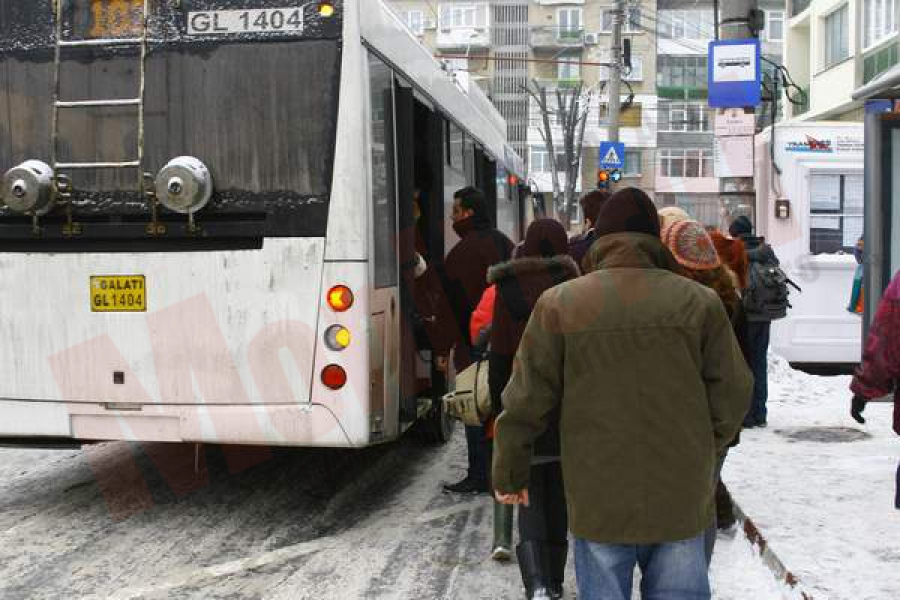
{"x": 63, "y": 183}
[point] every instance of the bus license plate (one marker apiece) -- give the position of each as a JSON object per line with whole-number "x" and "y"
{"x": 264, "y": 20}
{"x": 118, "y": 293}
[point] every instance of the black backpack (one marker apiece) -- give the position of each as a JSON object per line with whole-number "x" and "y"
{"x": 766, "y": 296}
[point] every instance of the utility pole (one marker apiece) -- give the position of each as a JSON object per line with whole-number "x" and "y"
{"x": 615, "y": 71}
{"x": 735, "y": 23}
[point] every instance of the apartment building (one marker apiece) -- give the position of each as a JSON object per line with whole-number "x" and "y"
{"x": 835, "y": 46}
{"x": 568, "y": 37}
{"x": 666, "y": 124}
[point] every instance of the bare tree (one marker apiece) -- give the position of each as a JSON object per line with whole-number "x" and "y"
{"x": 571, "y": 114}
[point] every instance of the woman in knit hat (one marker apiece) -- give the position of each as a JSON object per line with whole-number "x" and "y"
{"x": 672, "y": 214}
{"x": 695, "y": 251}
{"x": 693, "y": 248}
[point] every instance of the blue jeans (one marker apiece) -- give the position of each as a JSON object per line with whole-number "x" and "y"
{"x": 758, "y": 343}
{"x": 670, "y": 571}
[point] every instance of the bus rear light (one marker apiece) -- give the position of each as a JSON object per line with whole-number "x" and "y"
{"x": 337, "y": 337}
{"x": 334, "y": 377}
{"x": 326, "y": 8}
{"x": 340, "y": 298}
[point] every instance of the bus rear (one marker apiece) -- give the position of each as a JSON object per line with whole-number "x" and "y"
{"x": 169, "y": 268}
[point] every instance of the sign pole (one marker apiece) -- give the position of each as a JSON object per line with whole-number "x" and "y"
{"x": 737, "y": 194}
{"x": 615, "y": 72}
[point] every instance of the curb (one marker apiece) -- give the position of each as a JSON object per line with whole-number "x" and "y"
{"x": 768, "y": 556}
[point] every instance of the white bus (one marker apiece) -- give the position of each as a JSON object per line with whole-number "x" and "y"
{"x": 207, "y": 219}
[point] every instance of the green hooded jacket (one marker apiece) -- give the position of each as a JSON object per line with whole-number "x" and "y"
{"x": 652, "y": 387}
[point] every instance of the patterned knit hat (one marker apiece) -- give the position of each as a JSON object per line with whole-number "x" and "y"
{"x": 672, "y": 214}
{"x": 691, "y": 245}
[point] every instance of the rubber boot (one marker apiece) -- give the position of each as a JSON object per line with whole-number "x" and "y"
{"x": 532, "y": 557}
{"x": 557, "y": 555}
{"x": 501, "y": 549}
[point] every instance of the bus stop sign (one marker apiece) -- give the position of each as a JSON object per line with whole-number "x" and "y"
{"x": 734, "y": 73}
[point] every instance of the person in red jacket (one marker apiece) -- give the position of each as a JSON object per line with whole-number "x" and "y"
{"x": 879, "y": 372}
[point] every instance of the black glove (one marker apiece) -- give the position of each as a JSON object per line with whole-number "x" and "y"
{"x": 857, "y": 406}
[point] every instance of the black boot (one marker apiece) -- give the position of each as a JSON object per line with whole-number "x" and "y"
{"x": 724, "y": 507}
{"x": 557, "y": 554}
{"x": 532, "y": 557}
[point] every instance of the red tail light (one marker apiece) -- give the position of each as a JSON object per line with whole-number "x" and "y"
{"x": 334, "y": 377}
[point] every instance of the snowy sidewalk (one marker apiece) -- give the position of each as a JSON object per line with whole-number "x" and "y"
{"x": 820, "y": 487}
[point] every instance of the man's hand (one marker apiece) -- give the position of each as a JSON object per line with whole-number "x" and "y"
{"x": 520, "y": 497}
{"x": 857, "y": 406}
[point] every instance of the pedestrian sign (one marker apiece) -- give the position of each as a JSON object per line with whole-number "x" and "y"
{"x": 612, "y": 155}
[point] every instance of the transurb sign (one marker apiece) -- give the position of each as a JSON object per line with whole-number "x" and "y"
{"x": 734, "y": 73}
{"x": 612, "y": 155}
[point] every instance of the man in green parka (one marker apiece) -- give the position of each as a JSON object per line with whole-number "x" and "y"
{"x": 652, "y": 387}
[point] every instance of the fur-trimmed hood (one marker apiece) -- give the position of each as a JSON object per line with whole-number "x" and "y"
{"x": 521, "y": 281}
{"x": 517, "y": 267}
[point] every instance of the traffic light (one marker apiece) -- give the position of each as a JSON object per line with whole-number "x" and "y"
{"x": 603, "y": 179}
{"x": 615, "y": 176}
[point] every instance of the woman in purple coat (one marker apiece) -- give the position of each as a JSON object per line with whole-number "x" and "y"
{"x": 879, "y": 372}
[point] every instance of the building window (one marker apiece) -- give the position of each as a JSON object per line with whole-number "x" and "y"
{"x": 775, "y": 25}
{"x": 568, "y": 69}
{"x": 836, "y": 212}
{"x": 568, "y": 21}
{"x": 880, "y": 18}
{"x": 632, "y": 21}
{"x": 631, "y": 116}
{"x": 685, "y": 163}
{"x": 540, "y": 160}
{"x": 837, "y": 36}
{"x": 683, "y": 116}
{"x": 682, "y": 71}
{"x": 463, "y": 16}
{"x": 632, "y": 166}
{"x": 686, "y": 24}
{"x": 415, "y": 21}
{"x": 879, "y": 61}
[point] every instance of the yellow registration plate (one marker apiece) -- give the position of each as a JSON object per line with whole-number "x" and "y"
{"x": 118, "y": 293}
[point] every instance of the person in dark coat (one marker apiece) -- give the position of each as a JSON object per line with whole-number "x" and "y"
{"x": 591, "y": 203}
{"x": 652, "y": 387}
{"x": 540, "y": 264}
{"x": 463, "y": 281}
{"x": 758, "y": 328}
{"x": 879, "y": 373}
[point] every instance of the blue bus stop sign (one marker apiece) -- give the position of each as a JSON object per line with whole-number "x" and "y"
{"x": 612, "y": 155}
{"x": 734, "y": 73}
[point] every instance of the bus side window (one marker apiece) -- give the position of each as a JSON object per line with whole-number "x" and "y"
{"x": 384, "y": 205}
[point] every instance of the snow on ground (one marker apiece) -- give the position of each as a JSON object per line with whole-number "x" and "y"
{"x": 824, "y": 504}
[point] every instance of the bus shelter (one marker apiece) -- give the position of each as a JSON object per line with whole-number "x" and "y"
{"x": 882, "y": 185}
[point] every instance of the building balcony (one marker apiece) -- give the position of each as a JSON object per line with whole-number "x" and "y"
{"x": 555, "y": 38}
{"x": 463, "y": 38}
{"x": 552, "y": 85}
